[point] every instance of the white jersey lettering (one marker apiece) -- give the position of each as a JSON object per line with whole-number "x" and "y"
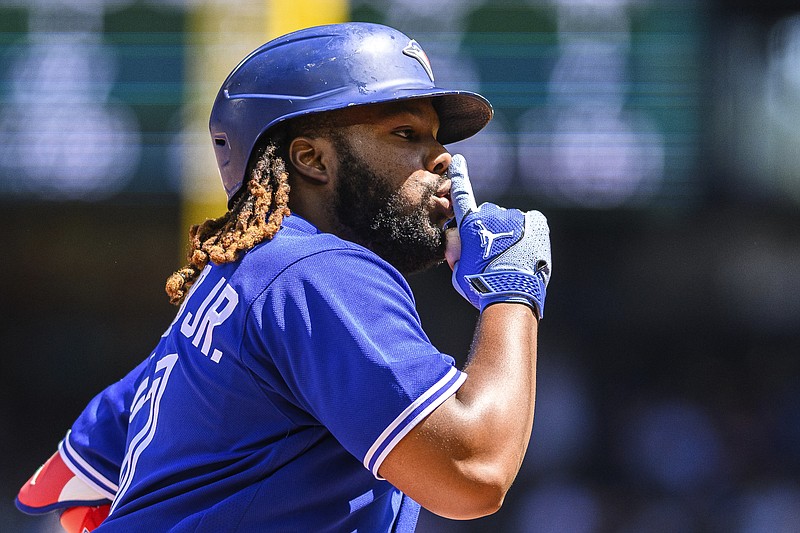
{"x": 149, "y": 394}
{"x": 200, "y": 327}
{"x": 217, "y": 314}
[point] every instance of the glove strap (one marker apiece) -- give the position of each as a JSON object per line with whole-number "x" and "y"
{"x": 510, "y": 286}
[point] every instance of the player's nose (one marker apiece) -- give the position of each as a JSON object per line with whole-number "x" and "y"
{"x": 440, "y": 161}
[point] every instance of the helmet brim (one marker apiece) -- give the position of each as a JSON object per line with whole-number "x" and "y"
{"x": 461, "y": 115}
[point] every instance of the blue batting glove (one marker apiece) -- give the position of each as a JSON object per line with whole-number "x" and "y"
{"x": 505, "y": 253}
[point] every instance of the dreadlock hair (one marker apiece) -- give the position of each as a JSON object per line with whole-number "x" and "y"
{"x": 255, "y": 215}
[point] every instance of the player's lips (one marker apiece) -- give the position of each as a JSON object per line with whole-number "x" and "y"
{"x": 444, "y": 206}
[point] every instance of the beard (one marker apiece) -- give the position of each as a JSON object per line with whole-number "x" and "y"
{"x": 376, "y": 215}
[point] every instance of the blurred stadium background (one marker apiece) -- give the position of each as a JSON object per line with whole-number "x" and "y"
{"x": 661, "y": 138}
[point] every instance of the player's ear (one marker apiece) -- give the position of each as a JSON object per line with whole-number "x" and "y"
{"x": 310, "y": 156}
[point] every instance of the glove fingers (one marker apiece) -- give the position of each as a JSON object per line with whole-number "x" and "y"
{"x": 538, "y": 232}
{"x": 461, "y": 194}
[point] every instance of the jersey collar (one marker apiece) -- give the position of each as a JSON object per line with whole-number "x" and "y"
{"x": 296, "y": 222}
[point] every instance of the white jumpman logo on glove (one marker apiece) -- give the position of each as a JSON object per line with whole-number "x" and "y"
{"x": 487, "y": 238}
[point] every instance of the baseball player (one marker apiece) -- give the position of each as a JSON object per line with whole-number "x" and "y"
{"x": 295, "y": 389}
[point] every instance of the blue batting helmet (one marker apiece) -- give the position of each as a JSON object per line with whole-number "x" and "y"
{"x": 325, "y": 68}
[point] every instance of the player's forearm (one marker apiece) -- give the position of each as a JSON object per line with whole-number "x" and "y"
{"x": 497, "y": 399}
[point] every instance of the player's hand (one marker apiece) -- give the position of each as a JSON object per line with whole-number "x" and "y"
{"x": 505, "y": 253}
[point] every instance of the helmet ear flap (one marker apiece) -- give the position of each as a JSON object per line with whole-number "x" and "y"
{"x": 221, "y": 148}
{"x": 257, "y": 151}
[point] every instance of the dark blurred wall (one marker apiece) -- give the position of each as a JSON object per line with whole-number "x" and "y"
{"x": 83, "y": 301}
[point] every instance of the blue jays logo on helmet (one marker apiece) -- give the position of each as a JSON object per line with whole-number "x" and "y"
{"x": 325, "y": 68}
{"x": 413, "y": 49}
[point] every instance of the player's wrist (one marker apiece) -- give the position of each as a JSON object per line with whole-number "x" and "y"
{"x": 520, "y": 287}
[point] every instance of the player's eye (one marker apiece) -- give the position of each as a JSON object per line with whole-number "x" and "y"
{"x": 406, "y": 133}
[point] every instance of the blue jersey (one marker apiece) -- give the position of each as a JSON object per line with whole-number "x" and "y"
{"x": 272, "y": 399}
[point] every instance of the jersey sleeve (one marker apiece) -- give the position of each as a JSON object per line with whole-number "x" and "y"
{"x": 94, "y": 447}
{"x": 341, "y": 330}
